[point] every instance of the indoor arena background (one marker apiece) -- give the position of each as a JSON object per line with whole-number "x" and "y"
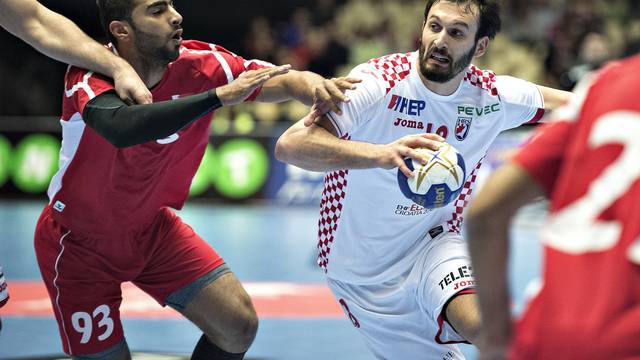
{"x": 258, "y": 213}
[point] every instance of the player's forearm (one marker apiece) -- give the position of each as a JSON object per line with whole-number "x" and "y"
{"x": 314, "y": 148}
{"x": 56, "y": 36}
{"x": 124, "y": 125}
{"x": 488, "y": 221}
{"x": 488, "y": 246}
{"x": 298, "y": 85}
{"x": 554, "y": 98}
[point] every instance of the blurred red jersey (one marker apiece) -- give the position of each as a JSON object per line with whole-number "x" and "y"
{"x": 588, "y": 161}
{"x": 101, "y": 190}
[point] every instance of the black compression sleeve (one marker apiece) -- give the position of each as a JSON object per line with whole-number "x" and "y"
{"x": 123, "y": 125}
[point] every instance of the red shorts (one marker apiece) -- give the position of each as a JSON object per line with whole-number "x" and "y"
{"x": 83, "y": 275}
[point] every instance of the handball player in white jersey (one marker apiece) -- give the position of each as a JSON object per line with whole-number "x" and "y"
{"x": 401, "y": 272}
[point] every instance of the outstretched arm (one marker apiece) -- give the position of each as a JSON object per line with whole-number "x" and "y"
{"x": 488, "y": 221}
{"x": 317, "y": 148}
{"x": 310, "y": 89}
{"x": 554, "y": 98}
{"x": 124, "y": 125}
{"x": 58, "y": 37}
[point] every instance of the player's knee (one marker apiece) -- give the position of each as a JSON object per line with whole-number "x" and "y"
{"x": 248, "y": 329}
{"x": 241, "y": 329}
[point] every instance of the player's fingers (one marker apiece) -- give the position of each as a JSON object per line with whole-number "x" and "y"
{"x": 422, "y": 142}
{"x": 417, "y": 156}
{"x": 126, "y": 98}
{"x": 347, "y": 82}
{"x": 259, "y": 81}
{"x": 278, "y": 70}
{"x": 256, "y": 74}
{"x": 432, "y": 136}
{"x": 404, "y": 168}
{"x": 322, "y": 94}
{"x": 336, "y": 92}
{"x": 311, "y": 117}
{"x": 142, "y": 97}
{"x": 351, "y": 79}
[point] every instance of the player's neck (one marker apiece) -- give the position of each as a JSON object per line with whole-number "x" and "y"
{"x": 446, "y": 88}
{"x": 151, "y": 72}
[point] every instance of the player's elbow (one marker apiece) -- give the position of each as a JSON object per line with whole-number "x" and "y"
{"x": 284, "y": 148}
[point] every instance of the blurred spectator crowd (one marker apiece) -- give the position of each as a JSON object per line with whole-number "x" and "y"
{"x": 551, "y": 42}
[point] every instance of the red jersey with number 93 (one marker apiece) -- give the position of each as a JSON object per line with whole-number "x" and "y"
{"x": 588, "y": 161}
{"x": 101, "y": 190}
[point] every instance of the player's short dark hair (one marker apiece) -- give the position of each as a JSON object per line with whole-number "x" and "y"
{"x": 114, "y": 10}
{"x": 489, "y": 23}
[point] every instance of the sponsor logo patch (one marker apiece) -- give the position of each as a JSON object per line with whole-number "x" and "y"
{"x": 59, "y": 206}
{"x": 406, "y": 106}
{"x": 462, "y": 273}
{"x": 463, "y": 124}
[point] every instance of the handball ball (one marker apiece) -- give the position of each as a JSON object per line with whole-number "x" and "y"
{"x": 436, "y": 183}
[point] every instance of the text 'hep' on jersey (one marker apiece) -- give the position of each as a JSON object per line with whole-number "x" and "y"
{"x": 368, "y": 231}
{"x": 587, "y": 160}
{"x": 100, "y": 189}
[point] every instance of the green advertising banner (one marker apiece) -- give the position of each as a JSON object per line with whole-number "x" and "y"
{"x": 34, "y": 162}
{"x": 243, "y": 166}
{"x": 205, "y": 176}
{"x": 5, "y": 156}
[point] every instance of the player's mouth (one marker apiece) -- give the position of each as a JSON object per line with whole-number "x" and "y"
{"x": 177, "y": 36}
{"x": 438, "y": 59}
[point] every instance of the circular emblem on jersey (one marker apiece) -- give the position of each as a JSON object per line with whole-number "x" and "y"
{"x": 436, "y": 183}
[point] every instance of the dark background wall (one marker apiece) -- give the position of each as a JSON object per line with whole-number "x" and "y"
{"x": 27, "y": 74}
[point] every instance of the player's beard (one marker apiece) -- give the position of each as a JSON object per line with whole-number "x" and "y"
{"x": 443, "y": 74}
{"x": 154, "y": 49}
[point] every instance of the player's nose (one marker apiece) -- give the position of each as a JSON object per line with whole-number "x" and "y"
{"x": 440, "y": 42}
{"x": 176, "y": 18}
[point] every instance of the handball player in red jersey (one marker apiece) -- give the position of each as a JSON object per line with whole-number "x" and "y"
{"x": 123, "y": 167}
{"x": 56, "y": 36}
{"x": 587, "y": 162}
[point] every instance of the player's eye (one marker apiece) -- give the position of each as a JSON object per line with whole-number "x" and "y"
{"x": 434, "y": 27}
{"x": 456, "y": 33}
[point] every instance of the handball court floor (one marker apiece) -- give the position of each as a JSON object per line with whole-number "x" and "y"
{"x": 270, "y": 248}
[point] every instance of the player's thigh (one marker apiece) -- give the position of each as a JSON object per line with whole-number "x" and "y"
{"x": 392, "y": 324}
{"x": 176, "y": 257}
{"x": 187, "y": 274}
{"x": 447, "y": 289}
{"x": 85, "y": 299}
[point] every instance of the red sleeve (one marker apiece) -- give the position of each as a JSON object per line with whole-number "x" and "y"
{"x": 542, "y": 156}
{"x": 81, "y": 86}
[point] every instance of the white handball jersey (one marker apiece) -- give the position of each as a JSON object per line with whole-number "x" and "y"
{"x": 368, "y": 231}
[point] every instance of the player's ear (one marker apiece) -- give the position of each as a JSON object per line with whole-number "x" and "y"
{"x": 481, "y": 46}
{"x": 120, "y": 30}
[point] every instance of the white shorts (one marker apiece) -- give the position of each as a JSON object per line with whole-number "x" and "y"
{"x": 402, "y": 318}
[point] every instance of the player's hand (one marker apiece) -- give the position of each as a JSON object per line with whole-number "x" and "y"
{"x": 239, "y": 90}
{"x": 393, "y": 154}
{"x": 130, "y": 88}
{"x": 328, "y": 95}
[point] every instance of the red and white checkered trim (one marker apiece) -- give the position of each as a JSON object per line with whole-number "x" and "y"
{"x": 4, "y": 293}
{"x": 484, "y": 79}
{"x": 335, "y": 186}
{"x": 392, "y": 68}
{"x": 455, "y": 223}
